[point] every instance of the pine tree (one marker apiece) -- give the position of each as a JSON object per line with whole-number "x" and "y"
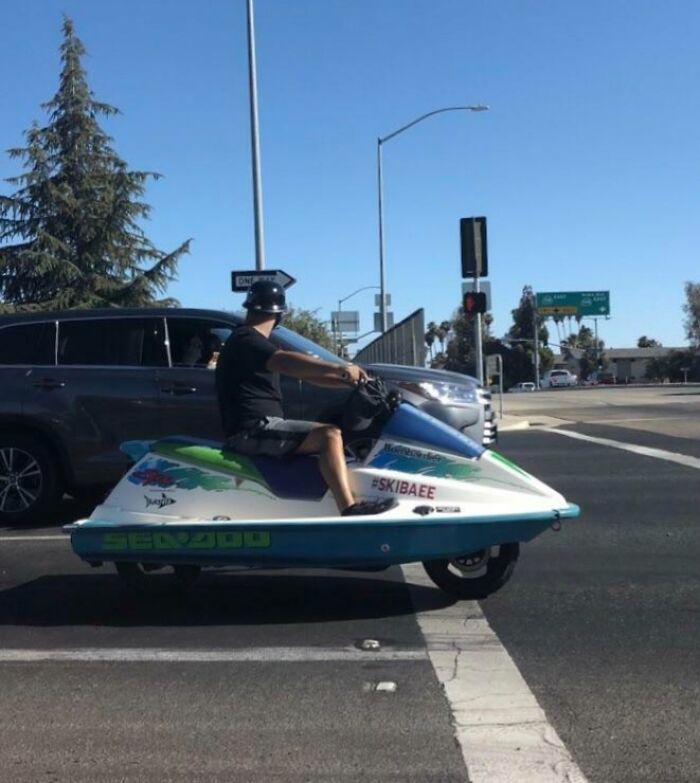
{"x": 518, "y": 361}
{"x": 70, "y": 235}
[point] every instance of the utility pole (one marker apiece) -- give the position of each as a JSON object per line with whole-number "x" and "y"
{"x": 536, "y": 341}
{"x": 595, "y": 350}
{"x": 255, "y": 143}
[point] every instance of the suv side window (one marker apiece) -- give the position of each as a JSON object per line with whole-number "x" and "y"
{"x": 154, "y": 352}
{"x": 196, "y": 342}
{"x": 32, "y": 344}
{"x": 124, "y": 342}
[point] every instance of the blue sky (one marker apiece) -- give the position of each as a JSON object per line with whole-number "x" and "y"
{"x": 587, "y": 164}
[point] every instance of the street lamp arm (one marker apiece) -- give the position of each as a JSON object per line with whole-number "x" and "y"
{"x": 478, "y": 107}
{"x": 365, "y": 288}
{"x": 380, "y": 141}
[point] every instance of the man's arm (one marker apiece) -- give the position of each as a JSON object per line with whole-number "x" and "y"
{"x": 316, "y": 371}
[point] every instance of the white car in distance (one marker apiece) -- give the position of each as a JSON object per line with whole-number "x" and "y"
{"x": 523, "y": 386}
{"x": 555, "y": 379}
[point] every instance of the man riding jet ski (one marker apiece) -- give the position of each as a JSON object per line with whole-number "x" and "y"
{"x": 427, "y": 493}
{"x": 250, "y": 400}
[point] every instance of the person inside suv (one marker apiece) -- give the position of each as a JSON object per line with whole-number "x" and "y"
{"x": 250, "y": 401}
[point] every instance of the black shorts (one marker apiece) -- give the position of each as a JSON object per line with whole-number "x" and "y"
{"x": 270, "y": 437}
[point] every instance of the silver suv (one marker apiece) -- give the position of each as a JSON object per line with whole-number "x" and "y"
{"x": 75, "y": 384}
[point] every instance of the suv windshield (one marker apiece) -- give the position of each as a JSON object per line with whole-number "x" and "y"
{"x": 296, "y": 342}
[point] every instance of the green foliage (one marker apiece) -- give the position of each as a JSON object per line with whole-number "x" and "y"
{"x": 671, "y": 367}
{"x": 691, "y": 308}
{"x": 518, "y": 356}
{"x": 70, "y": 234}
{"x": 460, "y": 349}
{"x": 647, "y": 342}
{"x": 522, "y": 328}
{"x": 305, "y": 323}
{"x": 582, "y": 347}
{"x": 431, "y": 334}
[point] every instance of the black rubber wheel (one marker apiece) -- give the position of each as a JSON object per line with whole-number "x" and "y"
{"x": 145, "y": 578}
{"x": 29, "y": 478}
{"x": 474, "y": 575}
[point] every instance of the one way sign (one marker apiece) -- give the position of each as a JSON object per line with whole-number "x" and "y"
{"x": 242, "y": 281}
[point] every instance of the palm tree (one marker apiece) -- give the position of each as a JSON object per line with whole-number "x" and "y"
{"x": 430, "y": 335}
{"x": 441, "y": 333}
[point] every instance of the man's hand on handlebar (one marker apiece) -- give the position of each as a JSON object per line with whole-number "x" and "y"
{"x": 355, "y": 375}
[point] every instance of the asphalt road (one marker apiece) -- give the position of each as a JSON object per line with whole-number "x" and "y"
{"x": 602, "y": 619}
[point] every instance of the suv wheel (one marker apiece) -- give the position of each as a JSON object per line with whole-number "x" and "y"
{"x": 28, "y": 477}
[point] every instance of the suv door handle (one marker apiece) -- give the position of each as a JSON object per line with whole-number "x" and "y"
{"x": 179, "y": 389}
{"x": 49, "y": 383}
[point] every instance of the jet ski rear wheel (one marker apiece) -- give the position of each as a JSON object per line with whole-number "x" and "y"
{"x": 138, "y": 576}
{"x": 477, "y": 574}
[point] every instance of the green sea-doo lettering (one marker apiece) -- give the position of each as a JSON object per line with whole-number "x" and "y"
{"x": 140, "y": 540}
{"x": 115, "y": 541}
{"x": 229, "y": 540}
{"x": 257, "y": 540}
{"x": 202, "y": 541}
{"x": 163, "y": 541}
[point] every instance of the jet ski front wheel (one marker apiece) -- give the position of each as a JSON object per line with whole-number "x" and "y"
{"x": 474, "y": 575}
{"x": 140, "y": 576}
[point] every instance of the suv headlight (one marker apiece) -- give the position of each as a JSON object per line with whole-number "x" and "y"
{"x": 446, "y": 393}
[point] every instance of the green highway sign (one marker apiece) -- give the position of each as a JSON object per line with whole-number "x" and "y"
{"x": 574, "y": 303}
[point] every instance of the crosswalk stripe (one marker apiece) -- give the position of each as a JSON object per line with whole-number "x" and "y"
{"x": 248, "y": 655}
{"x": 503, "y": 732}
{"x": 644, "y": 451}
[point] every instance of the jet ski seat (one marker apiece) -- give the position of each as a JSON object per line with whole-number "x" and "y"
{"x": 287, "y": 477}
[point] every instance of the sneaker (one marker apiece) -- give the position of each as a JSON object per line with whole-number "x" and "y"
{"x": 366, "y": 507}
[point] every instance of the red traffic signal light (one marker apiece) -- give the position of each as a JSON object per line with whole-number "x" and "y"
{"x": 474, "y": 302}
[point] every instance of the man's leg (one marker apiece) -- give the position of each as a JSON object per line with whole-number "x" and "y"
{"x": 327, "y": 441}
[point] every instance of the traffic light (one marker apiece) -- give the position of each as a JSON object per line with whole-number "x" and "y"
{"x": 474, "y": 302}
{"x": 472, "y": 234}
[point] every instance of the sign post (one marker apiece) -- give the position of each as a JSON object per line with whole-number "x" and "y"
{"x": 475, "y": 264}
{"x": 242, "y": 280}
{"x": 536, "y": 341}
{"x": 494, "y": 366}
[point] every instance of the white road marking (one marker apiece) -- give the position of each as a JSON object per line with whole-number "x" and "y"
{"x": 636, "y": 418}
{"x": 35, "y": 538}
{"x": 644, "y": 451}
{"x": 250, "y": 655}
{"x": 503, "y": 732}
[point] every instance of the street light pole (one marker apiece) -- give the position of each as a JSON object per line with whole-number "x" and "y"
{"x": 255, "y": 142}
{"x": 380, "y": 141}
{"x": 382, "y": 285}
{"x": 340, "y": 303}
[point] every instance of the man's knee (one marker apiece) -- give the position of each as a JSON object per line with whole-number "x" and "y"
{"x": 332, "y": 437}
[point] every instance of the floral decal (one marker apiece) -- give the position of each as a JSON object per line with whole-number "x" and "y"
{"x": 161, "y": 473}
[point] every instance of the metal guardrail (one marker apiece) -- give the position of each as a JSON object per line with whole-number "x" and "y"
{"x": 404, "y": 343}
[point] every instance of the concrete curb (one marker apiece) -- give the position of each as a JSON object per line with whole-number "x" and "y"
{"x": 514, "y": 426}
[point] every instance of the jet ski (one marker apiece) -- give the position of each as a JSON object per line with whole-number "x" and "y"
{"x": 189, "y": 504}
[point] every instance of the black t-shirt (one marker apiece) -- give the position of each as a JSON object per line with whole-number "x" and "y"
{"x": 247, "y": 392}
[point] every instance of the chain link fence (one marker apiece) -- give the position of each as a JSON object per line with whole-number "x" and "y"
{"x": 404, "y": 343}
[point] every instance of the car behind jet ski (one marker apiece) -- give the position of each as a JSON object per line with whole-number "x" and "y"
{"x": 189, "y": 504}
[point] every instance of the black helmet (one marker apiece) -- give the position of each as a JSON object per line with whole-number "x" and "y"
{"x": 266, "y": 296}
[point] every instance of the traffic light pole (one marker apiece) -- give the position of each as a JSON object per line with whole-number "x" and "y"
{"x": 477, "y": 336}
